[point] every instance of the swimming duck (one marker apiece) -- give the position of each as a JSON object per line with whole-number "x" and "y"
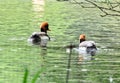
{"x": 87, "y": 49}
{"x": 39, "y": 38}
{"x": 89, "y": 45}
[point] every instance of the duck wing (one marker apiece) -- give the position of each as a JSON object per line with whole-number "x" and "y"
{"x": 90, "y": 47}
{"x": 35, "y": 38}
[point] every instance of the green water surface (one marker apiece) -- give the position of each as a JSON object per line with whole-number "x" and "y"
{"x": 67, "y": 21}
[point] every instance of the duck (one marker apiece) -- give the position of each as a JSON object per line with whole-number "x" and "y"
{"x": 89, "y": 45}
{"x": 86, "y": 49}
{"x": 39, "y": 38}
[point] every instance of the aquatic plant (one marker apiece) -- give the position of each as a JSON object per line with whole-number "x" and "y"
{"x": 35, "y": 77}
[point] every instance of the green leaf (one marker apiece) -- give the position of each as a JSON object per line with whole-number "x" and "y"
{"x": 25, "y": 76}
{"x": 37, "y": 75}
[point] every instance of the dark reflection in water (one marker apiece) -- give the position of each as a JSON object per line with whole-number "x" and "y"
{"x": 43, "y": 51}
{"x": 43, "y": 54}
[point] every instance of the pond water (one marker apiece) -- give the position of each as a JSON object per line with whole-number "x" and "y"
{"x": 103, "y": 30}
{"x": 17, "y": 24}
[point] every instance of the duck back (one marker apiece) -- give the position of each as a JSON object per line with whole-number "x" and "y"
{"x": 38, "y": 38}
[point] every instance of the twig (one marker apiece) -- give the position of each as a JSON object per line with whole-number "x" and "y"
{"x": 103, "y": 9}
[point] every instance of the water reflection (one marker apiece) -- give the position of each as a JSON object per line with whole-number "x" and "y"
{"x": 43, "y": 54}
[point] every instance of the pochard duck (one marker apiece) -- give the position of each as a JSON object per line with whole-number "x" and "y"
{"x": 89, "y": 45}
{"x": 87, "y": 49}
{"x": 39, "y": 38}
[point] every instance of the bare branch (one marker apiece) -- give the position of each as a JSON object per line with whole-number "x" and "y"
{"x": 111, "y": 7}
{"x": 101, "y": 8}
{"x": 109, "y": 15}
{"x": 116, "y": 6}
{"x": 76, "y": 2}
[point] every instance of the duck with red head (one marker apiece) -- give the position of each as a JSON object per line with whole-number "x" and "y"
{"x": 87, "y": 49}
{"x": 40, "y": 38}
{"x": 89, "y": 45}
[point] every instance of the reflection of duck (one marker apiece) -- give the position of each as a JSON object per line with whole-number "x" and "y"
{"x": 39, "y": 38}
{"x": 86, "y": 48}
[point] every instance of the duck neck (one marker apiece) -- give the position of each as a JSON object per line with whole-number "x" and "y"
{"x": 43, "y": 30}
{"x": 81, "y": 40}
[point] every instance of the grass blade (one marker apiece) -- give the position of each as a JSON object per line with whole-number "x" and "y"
{"x": 25, "y": 76}
{"x": 37, "y": 75}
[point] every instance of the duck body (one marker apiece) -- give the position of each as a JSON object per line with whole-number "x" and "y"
{"x": 39, "y": 38}
{"x": 86, "y": 49}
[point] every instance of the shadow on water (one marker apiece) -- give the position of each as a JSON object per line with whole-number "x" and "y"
{"x": 43, "y": 52}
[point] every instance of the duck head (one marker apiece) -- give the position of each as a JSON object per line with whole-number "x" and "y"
{"x": 44, "y": 27}
{"x": 82, "y": 38}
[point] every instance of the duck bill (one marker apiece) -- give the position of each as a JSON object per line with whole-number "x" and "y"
{"x": 49, "y": 30}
